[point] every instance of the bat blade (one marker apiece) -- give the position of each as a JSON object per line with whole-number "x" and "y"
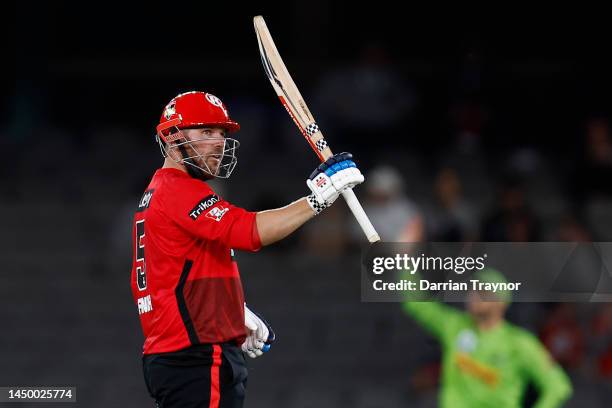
{"x": 287, "y": 91}
{"x": 295, "y": 105}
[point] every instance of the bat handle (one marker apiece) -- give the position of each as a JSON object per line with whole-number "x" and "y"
{"x": 360, "y": 215}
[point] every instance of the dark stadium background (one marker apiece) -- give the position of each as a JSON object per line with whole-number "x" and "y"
{"x": 503, "y": 103}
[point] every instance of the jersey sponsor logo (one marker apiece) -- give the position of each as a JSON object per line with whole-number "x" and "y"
{"x": 203, "y": 205}
{"x": 217, "y": 213}
{"x": 144, "y": 304}
{"x": 145, "y": 200}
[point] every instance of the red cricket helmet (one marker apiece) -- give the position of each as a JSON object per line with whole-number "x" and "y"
{"x": 195, "y": 109}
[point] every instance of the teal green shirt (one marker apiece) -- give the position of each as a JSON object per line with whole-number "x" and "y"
{"x": 489, "y": 368}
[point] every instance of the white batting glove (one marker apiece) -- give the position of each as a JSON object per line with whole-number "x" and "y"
{"x": 259, "y": 334}
{"x": 331, "y": 178}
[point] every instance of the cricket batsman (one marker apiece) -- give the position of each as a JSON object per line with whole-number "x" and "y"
{"x": 486, "y": 361}
{"x": 185, "y": 279}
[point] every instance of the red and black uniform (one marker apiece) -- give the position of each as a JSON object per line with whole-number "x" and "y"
{"x": 185, "y": 280}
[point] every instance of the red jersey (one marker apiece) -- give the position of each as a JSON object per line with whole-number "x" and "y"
{"x": 185, "y": 280}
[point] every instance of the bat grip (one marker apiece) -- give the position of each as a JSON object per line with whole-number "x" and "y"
{"x": 360, "y": 215}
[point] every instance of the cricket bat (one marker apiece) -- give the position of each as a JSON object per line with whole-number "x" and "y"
{"x": 293, "y": 102}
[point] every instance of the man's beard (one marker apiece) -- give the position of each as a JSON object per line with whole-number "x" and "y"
{"x": 192, "y": 170}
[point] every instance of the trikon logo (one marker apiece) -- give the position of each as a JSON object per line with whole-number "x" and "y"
{"x": 205, "y": 204}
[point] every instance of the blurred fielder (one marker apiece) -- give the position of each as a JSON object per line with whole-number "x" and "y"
{"x": 185, "y": 280}
{"x": 486, "y": 361}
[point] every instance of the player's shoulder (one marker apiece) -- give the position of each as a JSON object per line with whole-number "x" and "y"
{"x": 176, "y": 183}
{"x": 528, "y": 350}
{"x": 177, "y": 192}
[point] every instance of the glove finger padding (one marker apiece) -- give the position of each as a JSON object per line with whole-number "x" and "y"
{"x": 331, "y": 178}
{"x": 248, "y": 347}
{"x": 336, "y": 158}
{"x": 252, "y": 346}
{"x": 250, "y": 324}
{"x": 259, "y": 334}
{"x": 347, "y": 178}
{"x": 257, "y": 324}
{"x": 270, "y": 336}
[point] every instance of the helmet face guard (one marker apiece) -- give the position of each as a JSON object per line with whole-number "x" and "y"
{"x": 204, "y": 157}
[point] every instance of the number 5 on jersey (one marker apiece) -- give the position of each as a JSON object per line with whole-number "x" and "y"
{"x": 141, "y": 267}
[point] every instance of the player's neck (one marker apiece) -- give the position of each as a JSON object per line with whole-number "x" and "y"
{"x": 171, "y": 164}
